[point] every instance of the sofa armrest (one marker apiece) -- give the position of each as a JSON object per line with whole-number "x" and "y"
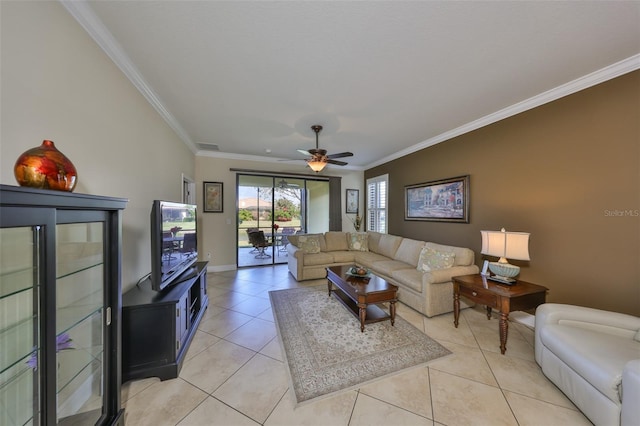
{"x": 594, "y": 319}
{"x": 614, "y": 323}
{"x": 445, "y": 275}
{"x": 295, "y": 260}
{"x": 630, "y": 393}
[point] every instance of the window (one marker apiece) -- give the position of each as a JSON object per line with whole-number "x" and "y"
{"x": 377, "y": 203}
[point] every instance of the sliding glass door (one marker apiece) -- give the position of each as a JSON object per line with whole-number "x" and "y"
{"x": 270, "y": 208}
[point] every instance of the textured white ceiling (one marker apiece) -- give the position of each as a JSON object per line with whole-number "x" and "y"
{"x": 382, "y": 77}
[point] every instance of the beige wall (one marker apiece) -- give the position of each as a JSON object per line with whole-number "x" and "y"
{"x": 57, "y": 84}
{"x": 560, "y": 171}
{"x": 218, "y": 234}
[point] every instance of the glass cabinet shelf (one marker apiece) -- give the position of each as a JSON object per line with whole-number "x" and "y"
{"x": 78, "y": 365}
{"x": 71, "y": 268}
{"x": 73, "y": 315}
{"x": 17, "y": 347}
{"x": 16, "y": 390}
{"x": 15, "y": 281}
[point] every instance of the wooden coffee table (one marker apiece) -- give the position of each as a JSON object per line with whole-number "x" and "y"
{"x": 506, "y": 298}
{"x": 360, "y": 295}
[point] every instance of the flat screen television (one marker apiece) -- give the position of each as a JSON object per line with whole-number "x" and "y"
{"x": 174, "y": 247}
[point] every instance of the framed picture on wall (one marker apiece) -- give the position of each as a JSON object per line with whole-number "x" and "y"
{"x": 352, "y": 201}
{"x": 445, "y": 200}
{"x": 212, "y": 197}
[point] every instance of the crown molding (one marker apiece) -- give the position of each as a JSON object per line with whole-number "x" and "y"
{"x": 82, "y": 12}
{"x": 608, "y": 73}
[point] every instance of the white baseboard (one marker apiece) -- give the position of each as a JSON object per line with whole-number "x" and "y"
{"x": 523, "y": 318}
{"x": 221, "y": 268}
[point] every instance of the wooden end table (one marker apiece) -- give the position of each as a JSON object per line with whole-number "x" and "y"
{"x": 505, "y": 298}
{"x": 361, "y": 295}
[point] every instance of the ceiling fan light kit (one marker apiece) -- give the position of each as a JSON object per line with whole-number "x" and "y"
{"x": 319, "y": 158}
{"x": 316, "y": 166}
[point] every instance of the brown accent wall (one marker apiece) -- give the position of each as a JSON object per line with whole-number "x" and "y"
{"x": 568, "y": 172}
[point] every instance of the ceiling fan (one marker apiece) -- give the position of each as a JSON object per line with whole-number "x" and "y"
{"x": 284, "y": 184}
{"x": 319, "y": 158}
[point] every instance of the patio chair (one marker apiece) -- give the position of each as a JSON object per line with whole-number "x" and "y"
{"x": 189, "y": 243}
{"x": 284, "y": 240}
{"x": 259, "y": 241}
{"x": 250, "y": 230}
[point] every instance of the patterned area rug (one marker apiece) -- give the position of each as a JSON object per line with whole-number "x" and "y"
{"x": 326, "y": 352}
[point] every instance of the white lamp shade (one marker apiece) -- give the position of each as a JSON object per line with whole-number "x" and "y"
{"x": 508, "y": 245}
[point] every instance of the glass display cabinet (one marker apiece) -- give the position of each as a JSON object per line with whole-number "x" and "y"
{"x": 60, "y": 308}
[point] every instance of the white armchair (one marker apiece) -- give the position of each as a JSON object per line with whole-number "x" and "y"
{"x": 593, "y": 356}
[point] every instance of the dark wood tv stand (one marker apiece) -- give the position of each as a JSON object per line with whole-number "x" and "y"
{"x": 157, "y": 327}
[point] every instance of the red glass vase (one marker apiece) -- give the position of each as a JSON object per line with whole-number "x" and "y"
{"x": 45, "y": 167}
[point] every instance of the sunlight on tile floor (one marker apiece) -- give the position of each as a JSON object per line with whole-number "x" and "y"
{"x": 234, "y": 373}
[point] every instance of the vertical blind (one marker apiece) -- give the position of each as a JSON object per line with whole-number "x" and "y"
{"x": 377, "y": 203}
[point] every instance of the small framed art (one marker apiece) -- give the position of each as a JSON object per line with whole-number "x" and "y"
{"x": 212, "y": 197}
{"x": 352, "y": 201}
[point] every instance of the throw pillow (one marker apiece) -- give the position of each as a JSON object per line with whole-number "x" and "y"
{"x": 431, "y": 259}
{"x": 358, "y": 241}
{"x": 309, "y": 243}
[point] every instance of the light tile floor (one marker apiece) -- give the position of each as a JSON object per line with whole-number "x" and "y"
{"x": 234, "y": 373}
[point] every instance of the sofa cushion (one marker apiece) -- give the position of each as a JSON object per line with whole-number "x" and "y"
{"x": 342, "y": 256}
{"x": 409, "y": 251}
{"x": 464, "y": 256}
{"x": 374, "y": 241}
{"x": 589, "y": 354}
{"x": 368, "y": 258}
{"x": 309, "y": 243}
{"x": 388, "y": 245}
{"x": 387, "y": 267}
{"x": 431, "y": 259}
{"x": 358, "y": 241}
{"x": 335, "y": 241}
{"x": 410, "y": 277}
{"x": 315, "y": 259}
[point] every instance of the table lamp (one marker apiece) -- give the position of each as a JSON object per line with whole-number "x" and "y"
{"x": 503, "y": 244}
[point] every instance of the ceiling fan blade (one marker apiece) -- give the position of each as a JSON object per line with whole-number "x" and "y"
{"x": 336, "y": 162}
{"x": 340, "y": 155}
{"x": 317, "y": 152}
{"x": 304, "y": 152}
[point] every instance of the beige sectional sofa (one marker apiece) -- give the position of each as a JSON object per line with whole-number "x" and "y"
{"x": 422, "y": 270}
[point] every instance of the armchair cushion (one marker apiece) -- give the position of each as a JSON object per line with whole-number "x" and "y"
{"x": 589, "y": 353}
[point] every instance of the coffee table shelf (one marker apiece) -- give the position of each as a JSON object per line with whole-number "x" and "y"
{"x": 361, "y": 295}
{"x": 374, "y": 312}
